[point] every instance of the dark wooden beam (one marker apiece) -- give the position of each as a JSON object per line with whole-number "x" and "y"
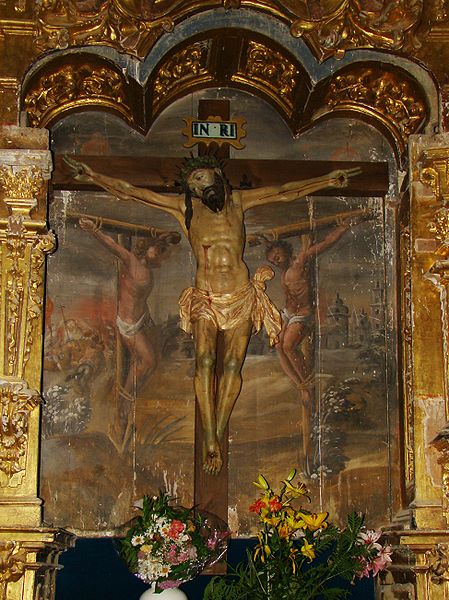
{"x": 159, "y": 173}
{"x": 211, "y": 491}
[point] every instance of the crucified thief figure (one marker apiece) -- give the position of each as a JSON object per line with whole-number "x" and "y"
{"x": 298, "y": 314}
{"x": 224, "y": 300}
{"x": 133, "y": 319}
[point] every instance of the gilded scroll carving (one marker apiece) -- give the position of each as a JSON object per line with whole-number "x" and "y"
{"x": 22, "y": 269}
{"x": 436, "y": 173}
{"x": 72, "y": 86}
{"x": 22, "y": 280}
{"x": 330, "y": 28}
{"x": 16, "y": 245}
{"x": 272, "y": 70}
{"x": 437, "y": 560}
{"x": 17, "y": 402}
{"x": 349, "y": 24}
{"x": 384, "y": 93}
{"x": 269, "y": 70}
{"x": 439, "y": 226}
{"x": 407, "y": 352}
{"x": 443, "y": 460}
{"x": 122, "y": 25}
{"x": 381, "y": 93}
{"x": 20, "y": 6}
{"x": 12, "y": 565}
{"x": 181, "y": 69}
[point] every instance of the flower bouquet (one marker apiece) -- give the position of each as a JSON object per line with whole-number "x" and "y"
{"x": 168, "y": 545}
{"x": 299, "y": 554}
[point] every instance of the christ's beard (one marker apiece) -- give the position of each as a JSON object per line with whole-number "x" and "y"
{"x": 214, "y": 196}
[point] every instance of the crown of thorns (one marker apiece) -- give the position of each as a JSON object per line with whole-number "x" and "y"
{"x": 192, "y": 164}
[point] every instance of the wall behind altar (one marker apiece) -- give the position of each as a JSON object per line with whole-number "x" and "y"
{"x": 105, "y": 443}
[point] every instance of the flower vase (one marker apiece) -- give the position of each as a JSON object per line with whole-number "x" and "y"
{"x": 168, "y": 594}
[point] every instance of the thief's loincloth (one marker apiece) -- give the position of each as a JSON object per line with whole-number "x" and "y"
{"x": 289, "y": 319}
{"x": 131, "y": 329}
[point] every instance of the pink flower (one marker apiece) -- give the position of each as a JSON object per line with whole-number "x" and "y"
{"x": 365, "y": 569}
{"x": 176, "y": 527}
{"x": 215, "y": 538}
{"x": 379, "y": 562}
{"x": 168, "y": 583}
{"x": 370, "y": 537}
{"x": 383, "y": 558}
{"x": 211, "y": 543}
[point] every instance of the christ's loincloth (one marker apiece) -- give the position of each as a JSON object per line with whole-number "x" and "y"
{"x": 227, "y": 311}
{"x": 131, "y": 329}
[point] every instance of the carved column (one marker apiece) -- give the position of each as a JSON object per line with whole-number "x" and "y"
{"x": 28, "y": 551}
{"x": 426, "y": 410}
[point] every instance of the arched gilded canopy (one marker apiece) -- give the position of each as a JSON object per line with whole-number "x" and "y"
{"x": 329, "y": 28}
{"x": 381, "y": 93}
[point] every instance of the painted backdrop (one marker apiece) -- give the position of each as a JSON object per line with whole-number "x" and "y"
{"x": 118, "y": 419}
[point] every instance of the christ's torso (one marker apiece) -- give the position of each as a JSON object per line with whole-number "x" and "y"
{"x": 218, "y": 240}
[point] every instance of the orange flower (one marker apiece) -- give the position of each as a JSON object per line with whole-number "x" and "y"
{"x": 275, "y": 505}
{"x": 257, "y": 506}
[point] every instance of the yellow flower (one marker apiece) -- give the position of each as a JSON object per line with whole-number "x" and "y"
{"x": 295, "y": 490}
{"x": 146, "y": 548}
{"x": 274, "y": 521}
{"x": 293, "y": 522}
{"x": 308, "y": 550}
{"x": 190, "y": 526}
{"x": 262, "y": 549}
{"x": 285, "y": 531}
{"x": 314, "y": 521}
{"x": 292, "y": 558}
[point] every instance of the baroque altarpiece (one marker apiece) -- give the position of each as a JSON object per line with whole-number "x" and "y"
{"x": 89, "y": 423}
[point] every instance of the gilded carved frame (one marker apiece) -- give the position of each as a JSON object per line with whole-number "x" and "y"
{"x": 384, "y": 94}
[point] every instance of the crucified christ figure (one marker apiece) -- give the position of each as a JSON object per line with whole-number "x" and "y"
{"x": 224, "y": 300}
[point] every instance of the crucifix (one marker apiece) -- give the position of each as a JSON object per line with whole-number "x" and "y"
{"x": 213, "y": 222}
